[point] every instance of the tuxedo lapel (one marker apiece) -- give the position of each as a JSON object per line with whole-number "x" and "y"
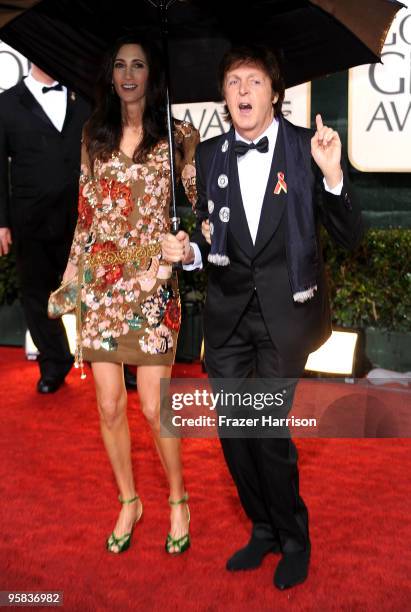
{"x": 30, "y": 103}
{"x": 238, "y": 225}
{"x": 71, "y": 101}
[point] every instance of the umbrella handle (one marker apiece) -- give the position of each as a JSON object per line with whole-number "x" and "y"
{"x": 174, "y": 225}
{"x": 174, "y": 228}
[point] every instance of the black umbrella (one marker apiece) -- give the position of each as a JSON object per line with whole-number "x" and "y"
{"x": 66, "y": 38}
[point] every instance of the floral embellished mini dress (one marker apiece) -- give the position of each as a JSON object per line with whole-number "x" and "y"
{"x": 128, "y": 305}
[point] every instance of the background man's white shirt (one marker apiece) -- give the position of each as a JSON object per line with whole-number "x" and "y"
{"x": 54, "y": 103}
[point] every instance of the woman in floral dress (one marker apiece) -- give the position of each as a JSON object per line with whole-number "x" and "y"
{"x": 129, "y": 307}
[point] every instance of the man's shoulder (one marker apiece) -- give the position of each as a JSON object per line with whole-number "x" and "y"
{"x": 9, "y": 96}
{"x": 78, "y": 99}
{"x": 80, "y": 105}
{"x": 303, "y": 132}
{"x": 206, "y": 147}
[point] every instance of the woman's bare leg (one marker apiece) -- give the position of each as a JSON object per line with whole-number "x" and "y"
{"x": 148, "y": 384}
{"x": 112, "y": 406}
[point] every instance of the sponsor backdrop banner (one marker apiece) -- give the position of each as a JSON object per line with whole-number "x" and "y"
{"x": 379, "y": 118}
{"x": 13, "y": 66}
{"x": 208, "y": 117}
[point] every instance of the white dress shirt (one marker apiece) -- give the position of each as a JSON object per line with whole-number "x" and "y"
{"x": 253, "y": 173}
{"x": 54, "y": 103}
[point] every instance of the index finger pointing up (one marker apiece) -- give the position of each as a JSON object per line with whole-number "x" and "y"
{"x": 319, "y": 122}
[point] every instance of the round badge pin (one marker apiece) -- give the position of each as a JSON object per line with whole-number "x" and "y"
{"x": 224, "y": 214}
{"x": 225, "y": 146}
{"x": 210, "y": 207}
{"x": 222, "y": 181}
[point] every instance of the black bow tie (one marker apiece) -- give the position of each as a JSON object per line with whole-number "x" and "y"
{"x": 241, "y": 147}
{"x": 57, "y": 87}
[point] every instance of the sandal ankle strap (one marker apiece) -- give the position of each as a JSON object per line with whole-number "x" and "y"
{"x": 183, "y": 500}
{"x": 128, "y": 501}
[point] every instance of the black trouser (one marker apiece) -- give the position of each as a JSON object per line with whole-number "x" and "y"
{"x": 40, "y": 265}
{"x": 264, "y": 469}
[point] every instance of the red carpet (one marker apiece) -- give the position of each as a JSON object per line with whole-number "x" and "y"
{"x": 59, "y": 502}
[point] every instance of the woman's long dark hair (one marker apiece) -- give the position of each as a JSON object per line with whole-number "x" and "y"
{"x": 104, "y": 129}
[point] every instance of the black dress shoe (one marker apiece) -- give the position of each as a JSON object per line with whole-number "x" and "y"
{"x": 252, "y": 555}
{"x": 49, "y": 385}
{"x": 292, "y": 569}
{"x": 130, "y": 379}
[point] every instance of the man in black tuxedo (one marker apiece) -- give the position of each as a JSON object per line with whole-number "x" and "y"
{"x": 264, "y": 188}
{"x": 40, "y": 132}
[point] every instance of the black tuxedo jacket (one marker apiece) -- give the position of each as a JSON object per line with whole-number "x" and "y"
{"x": 296, "y": 329}
{"x": 39, "y": 192}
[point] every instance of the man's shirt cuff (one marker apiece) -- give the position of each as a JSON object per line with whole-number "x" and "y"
{"x": 198, "y": 260}
{"x": 335, "y": 190}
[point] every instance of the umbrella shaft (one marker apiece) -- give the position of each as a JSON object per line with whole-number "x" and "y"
{"x": 162, "y": 9}
{"x": 171, "y": 149}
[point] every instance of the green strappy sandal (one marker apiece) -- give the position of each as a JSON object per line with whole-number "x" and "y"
{"x": 183, "y": 543}
{"x": 124, "y": 541}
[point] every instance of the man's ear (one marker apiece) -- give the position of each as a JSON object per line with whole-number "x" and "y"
{"x": 275, "y": 98}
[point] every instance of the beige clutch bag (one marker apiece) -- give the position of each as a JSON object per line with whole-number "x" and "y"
{"x": 63, "y": 300}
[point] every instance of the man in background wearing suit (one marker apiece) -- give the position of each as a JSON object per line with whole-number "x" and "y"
{"x": 40, "y": 132}
{"x": 264, "y": 188}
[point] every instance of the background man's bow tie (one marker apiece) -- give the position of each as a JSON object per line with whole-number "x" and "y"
{"x": 57, "y": 87}
{"x": 241, "y": 147}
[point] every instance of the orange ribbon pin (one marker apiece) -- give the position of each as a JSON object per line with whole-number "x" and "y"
{"x": 281, "y": 184}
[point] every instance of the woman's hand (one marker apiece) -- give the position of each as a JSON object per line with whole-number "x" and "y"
{"x": 177, "y": 248}
{"x": 70, "y": 272}
{"x": 205, "y": 230}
